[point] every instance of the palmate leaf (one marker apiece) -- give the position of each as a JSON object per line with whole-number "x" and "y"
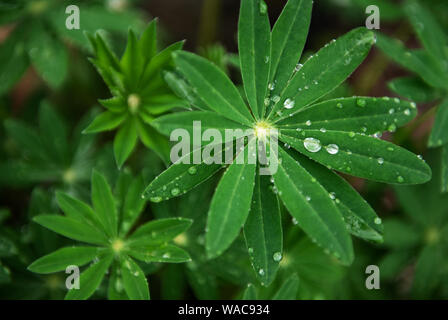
{"x": 59, "y": 260}
{"x": 90, "y": 279}
{"x": 230, "y": 205}
{"x": 326, "y": 70}
{"x": 359, "y": 155}
{"x": 263, "y": 231}
{"x": 312, "y": 207}
{"x": 254, "y": 44}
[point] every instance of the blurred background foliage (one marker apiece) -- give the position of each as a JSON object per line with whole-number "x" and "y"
{"x": 49, "y": 93}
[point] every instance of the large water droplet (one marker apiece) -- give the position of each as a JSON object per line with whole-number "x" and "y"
{"x": 312, "y": 145}
{"x": 277, "y": 256}
{"x": 332, "y": 149}
{"x": 289, "y": 104}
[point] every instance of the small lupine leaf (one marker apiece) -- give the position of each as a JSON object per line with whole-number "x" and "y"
{"x": 90, "y": 279}
{"x": 76, "y": 209}
{"x": 106, "y": 121}
{"x": 60, "y": 259}
{"x": 325, "y": 71}
{"x": 439, "y": 133}
{"x": 132, "y": 61}
{"x": 134, "y": 280}
{"x": 358, "y": 114}
{"x": 104, "y": 203}
{"x": 230, "y": 205}
{"x": 360, "y": 218}
{"x": 160, "y": 231}
{"x": 133, "y": 204}
{"x": 263, "y": 231}
{"x": 214, "y": 87}
{"x": 254, "y": 43}
{"x": 289, "y": 289}
{"x": 153, "y": 140}
{"x": 312, "y": 207}
{"x": 159, "y": 104}
{"x": 125, "y": 141}
{"x": 185, "y": 120}
{"x": 165, "y": 253}
{"x": 414, "y": 88}
{"x": 288, "y": 40}
{"x": 359, "y": 155}
{"x": 147, "y": 44}
{"x": 412, "y": 60}
{"x": 26, "y": 137}
{"x": 430, "y": 33}
{"x": 71, "y": 228}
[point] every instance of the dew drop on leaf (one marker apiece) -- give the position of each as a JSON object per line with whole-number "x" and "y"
{"x": 400, "y": 179}
{"x": 361, "y": 103}
{"x": 263, "y": 7}
{"x": 192, "y": 170}
{"x": 332, "y": 149}
{"x": 312, "y": 145}
{"x": 289, "y": 104}
{"x": 377, "y": 221}
{"x": 277, "y": 256}
{"x": 156, "y": 199}
{"x": 380, "y": 160}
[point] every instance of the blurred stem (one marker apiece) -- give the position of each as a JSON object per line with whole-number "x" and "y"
{"x": 209, "y": 22}
{"x": 379, "y": 63}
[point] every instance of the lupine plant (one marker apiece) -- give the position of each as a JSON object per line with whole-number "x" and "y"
{"x": 139, "y": 92}
{"x": 319, "y": 138}
{"x": 430, "y": 64}
{"x": 112, "y": 245}
{"x": 40, "y": 35}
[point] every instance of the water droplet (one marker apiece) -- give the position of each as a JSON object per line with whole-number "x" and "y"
{"x": 266, "y": 59}
{"x": 298, "y": 67}
{"x": 289, "y": 104}
{"x": 323, "y": 130}
{"x": 276, "y": 99}
{"x": 332, "y": 195}
{"x": 339, "y": 105}
{"x": 308, "y": 123}
{"x": 192, "y": 170}
{"x": 351, "y": 134}
{"x": 380, "y": 160}
{"x": 308, "y": 198}
{"x": 294, "y": 221}
{"x": 396, "y": 100}
{"x": 407, "y": 112}
{"x": 392, "y": 128}
{"x": 400, "y": 179}
{"x": 155, "y": 199}
{"x": 377, "y": 221}
{"x": 361, "y": 103}
{"x": 271, "y": 86}
{"x": 277, "y": 256}
{"x": 166, "y": 255}
{"x": 261, "y": 272}
{"x": 348, "y": 60}
{"x": 413, "y": 105}
{"x": 391, "y": 111}
{"x": 312, "y": 145}
{"x": 332, "y": 149}
{"x": 175, "y": 191}
{"x": 250, "y": 250}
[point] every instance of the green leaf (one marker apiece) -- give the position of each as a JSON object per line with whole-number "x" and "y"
{"x": 326, "y": 70}
{"x": 182, "y": 89}
{"x": 53, "y": 132}
{"x": 444, "y": 171}
{"x": 359, "y": 155}
{"x": 185, "y": 120}
{"x": 166, "y": 253}
{"x": 62, "y": 258}
{"x": 76, "y": 209}
{"x": 125, "y": 141}
{"x": 310, "y": 204}
{"x": 359, "y": 114}
{"x": 26, "y": 137}
{"x": 427, "y": 272}
{"x": 254, "y": 43}
{"x": 289, "y": 289}
{"x": 399, "y": 234}
{"x": 410, "y": 59}
{"x": 288, "y": 39}
{"x": 213, "y": 86}
{"x": 71, "y": 228}
{"x": 132, "y": 62}
{"x": 104, "y": 203}
{"x": 134, "y": 280}
{"x": 263, "y": 231}
{"x": 147, "y": 44}
{"x": 48, "y": 56}
{"x": 250, "y": 293}
{"x": 90, "y": 279}
{"x": 360, "y": 218}
{"x": 133, "y": 204}
{"x": 439, "y": 133}
{"x": 160, "y": 231}
{"x": 106, "y": 121}
{"x": 115, "y": 104}
{"x": 153, "y": 140}
{"x": 230, "y": 205}
{"x": 430, "y": 33}
{"x": 13, "y": 59}
{"x": 413, "y": 88}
